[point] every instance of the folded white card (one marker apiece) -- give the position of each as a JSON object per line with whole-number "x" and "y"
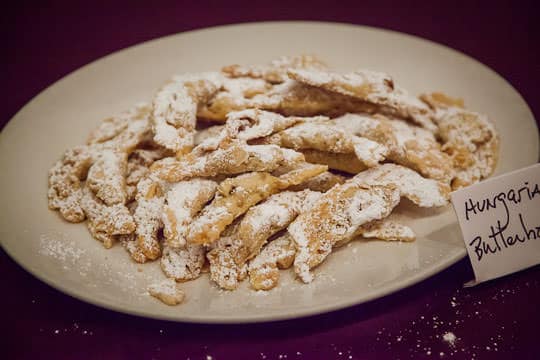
{"x": 500, "y": 222}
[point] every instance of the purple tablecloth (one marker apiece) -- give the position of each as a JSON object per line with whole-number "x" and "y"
{"x": 44, "y": 42}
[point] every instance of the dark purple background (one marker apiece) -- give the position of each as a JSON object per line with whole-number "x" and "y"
{"x": 43, "y": 41}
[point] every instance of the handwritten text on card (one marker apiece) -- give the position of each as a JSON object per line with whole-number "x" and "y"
{"x": 500, "y": 222}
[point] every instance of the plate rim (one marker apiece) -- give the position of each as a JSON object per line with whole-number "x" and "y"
{"x": 383, "y": 291}
{"x": 270, "y": 22}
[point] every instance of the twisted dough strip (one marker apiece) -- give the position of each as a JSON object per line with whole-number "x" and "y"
{"x": 234, "y": 94}
{"x": 183, "y": 201}
{"x": 374, "y": 87}
{"x": 469, "y": 138}
{"x": 111, "y": 143}
{"x": 253, "y": 123}
{"x": 236, "y": 195}
{"x": 348, "y": 163}
{"x": 320, "y": 183}
{"x": 385, "y": 229}
{"x": 124, "y": 131}
{"x": 276, "y": 71}
{"x": 294, "y": 98}
{"x": 129, "y": 242}
{"x": 407, "y": 144}
{"x": 174, "y": 111}
{"x": 324, "y": 137}
{"x": 339, "y": 213}
{"x": 120, "y": 134}
{"x": 334, "y": 218}
{"x": 223, "y": 269}
{"x": 289, "y": 98}
{"x": 234, "y": 158}
{"x": 150, "y": 200}
{"x": 247, "y": 87}
{"x": 65, "y": 179}
{"x": 421, "y": 191}
{"x": 107, "y": 177}
{"x": 264, "y": 268}
{"x": 253, "y": 230}
{"x": 105, "y": 222}
{"x": 183, "y": 264}
{"x": 139, "y": 162}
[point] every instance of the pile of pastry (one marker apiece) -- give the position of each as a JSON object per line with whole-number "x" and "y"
{"x": 254, "y": 169}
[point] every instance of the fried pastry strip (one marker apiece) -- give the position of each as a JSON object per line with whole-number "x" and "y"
{"x": 114, "y": 137}
{"x": 469, "y": 138}
{"x": 253, "y": 123}
{"x": 111, "y": 145}
{"x": 174, "y": 110}
{"x": 65, "y": 188}
{"x": 235, "y": 158}
{"x": 223, "y": 269}
{"x": 233, "y": 198}
{"x": 373, "y": 87}
{"x": 231, "y": 252}
{"x": 289, "y": 98}
{"x": 150, "y": 200}
{"x": 294, "y": 98}
{"x": 235, "y": 94}
{"x": 320, "y": 183}
{"x": 129, "y": 242}
{"x": 348, "y": 163}
{"x": 105, "y": 222}
{"x": 339, "y": 213}
{"x": 266, "y": 219}
{"x": 421, "y": 191}
{"x": 138, "y": 166}
{"x": 385, "y": 229}
{"x": 336, "y": 217}
{"x": 264, "y": 268}
{"x": 327, "y": 138}
{"x": 183, "y": 201}
{"x": 107, "y": 177}
{"x": 236, "y": 195}
{"x": 408, "y": 145}
{"x": 124, "y": 131}
{"x": 167, "y": 291}
{"x": 183, "y": 264}
{"x": 207, "y": 133}
{"x": 276, "y": 71}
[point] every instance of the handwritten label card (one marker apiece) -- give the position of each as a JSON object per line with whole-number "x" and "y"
{"x": 500, "y": 222}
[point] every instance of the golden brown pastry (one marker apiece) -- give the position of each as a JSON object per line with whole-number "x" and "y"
{"x": 174, "y": 109}
{"x": 469, "y": 138}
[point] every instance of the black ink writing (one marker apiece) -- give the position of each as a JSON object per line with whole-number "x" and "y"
{"x": 498, "y": 239}
{"x": 503, "y": 198}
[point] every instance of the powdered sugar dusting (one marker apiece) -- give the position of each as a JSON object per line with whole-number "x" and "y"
{"x": 184, "y": 200}
{"x": 106, "y": 177}
{"x": 183, "y": 264}
{"x": 450, "y": 338}
{"x": 335, "y": 217}
{"x": 167, "y": 291}
{"x": 423, "y": 192}
{"x": 174, "y": 112}
{"x": 276, "y": 210}
{"x": 60, "y": 248}
{"x": 471, "y": 141}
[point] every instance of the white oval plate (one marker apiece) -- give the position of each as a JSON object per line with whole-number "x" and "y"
{"x": 67, "y": 258}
